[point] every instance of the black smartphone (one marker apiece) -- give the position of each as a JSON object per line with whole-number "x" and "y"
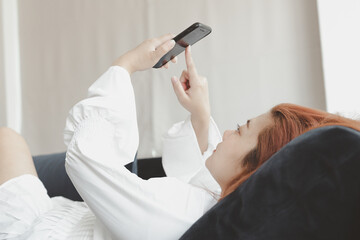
{"x": 189, "y": 36}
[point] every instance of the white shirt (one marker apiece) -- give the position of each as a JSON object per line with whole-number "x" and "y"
{"x": 102, "y": 136}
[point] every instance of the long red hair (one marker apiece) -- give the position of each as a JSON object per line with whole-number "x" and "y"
{"x": 290, "y": 121}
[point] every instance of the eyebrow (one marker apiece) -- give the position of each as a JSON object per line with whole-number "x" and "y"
{"x": 248, "y": 123}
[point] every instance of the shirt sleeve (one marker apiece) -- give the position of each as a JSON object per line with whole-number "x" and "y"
{"x": 102, "y": 135}
{"x": 182, "y": 156}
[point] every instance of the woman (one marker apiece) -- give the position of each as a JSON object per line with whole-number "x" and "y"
{"x": 101, "y": 135}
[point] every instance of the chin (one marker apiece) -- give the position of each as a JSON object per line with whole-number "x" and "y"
{"x": 208, "y": 162}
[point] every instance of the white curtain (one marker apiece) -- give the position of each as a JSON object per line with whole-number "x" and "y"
{"x": 259, "y": 54}
{"x": 2, "y": 77}
{"x": 11, "y": 83}
{"x": 340, "y": 38}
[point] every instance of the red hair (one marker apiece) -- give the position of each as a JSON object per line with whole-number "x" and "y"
{"x": 289, "y": 121}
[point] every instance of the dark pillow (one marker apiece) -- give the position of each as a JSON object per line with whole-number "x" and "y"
{"x": 308, "y": 190}
{"x": 51, "y": 171}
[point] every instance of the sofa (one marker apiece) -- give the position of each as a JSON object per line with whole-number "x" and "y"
{"x": 310, "y": 189}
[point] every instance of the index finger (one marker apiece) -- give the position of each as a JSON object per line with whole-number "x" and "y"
{"x": 189, "y": 61}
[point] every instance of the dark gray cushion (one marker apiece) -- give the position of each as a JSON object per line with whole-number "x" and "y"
{"x": 51, "y": 171}
{"x": 308, "y": 190}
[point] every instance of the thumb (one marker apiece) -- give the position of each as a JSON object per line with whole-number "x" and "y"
{"x": 164, "y": 48}
{"x": 179, "y": 90}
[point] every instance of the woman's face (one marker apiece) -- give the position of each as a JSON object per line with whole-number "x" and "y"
{"x": 225, "y": 163}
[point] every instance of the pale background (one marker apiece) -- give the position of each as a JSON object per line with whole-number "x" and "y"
{"x": 2, "y": 82}
{"x": 259, "y": 54}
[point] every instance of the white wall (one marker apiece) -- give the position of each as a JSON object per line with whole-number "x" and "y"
{"x": 340, "y": 39}
{"x": 260, "y": 53}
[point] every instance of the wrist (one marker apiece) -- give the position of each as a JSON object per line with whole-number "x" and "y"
{"x": 201, "y": 116}
{"x": 201, "y": 129}
{"x": 199, "y": 120}
{"x": 124, "y": 62}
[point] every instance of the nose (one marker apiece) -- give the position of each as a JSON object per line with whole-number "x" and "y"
{"x": 227, "y": 134}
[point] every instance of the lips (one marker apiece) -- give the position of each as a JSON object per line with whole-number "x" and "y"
{"x": 216, "y": 148}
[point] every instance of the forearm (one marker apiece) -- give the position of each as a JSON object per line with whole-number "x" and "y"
{"x": 201, "y": 128}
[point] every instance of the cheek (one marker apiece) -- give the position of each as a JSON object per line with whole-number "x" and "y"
{"x": 241, "y": 150}
{"x": 231, "y": 162}
{"x": 234, "y": 152}
{"x": 221, "y": 160}
{"x": 220, "y": 165}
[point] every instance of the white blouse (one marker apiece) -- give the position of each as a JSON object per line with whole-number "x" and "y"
{"x": 102, "y": 136}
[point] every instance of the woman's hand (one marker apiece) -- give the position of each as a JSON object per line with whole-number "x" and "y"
{"x": 192, "y": 89}
{"x": 193, "y": 94}
{"x": 147, "y": 54}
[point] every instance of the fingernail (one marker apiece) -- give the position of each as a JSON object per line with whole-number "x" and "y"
{"x": 189, "y": 48}
{"x": 172, "y": 42}
{"x": 173, "y": 79}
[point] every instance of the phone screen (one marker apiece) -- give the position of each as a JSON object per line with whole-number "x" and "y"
{"x": 190, "y": 36}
